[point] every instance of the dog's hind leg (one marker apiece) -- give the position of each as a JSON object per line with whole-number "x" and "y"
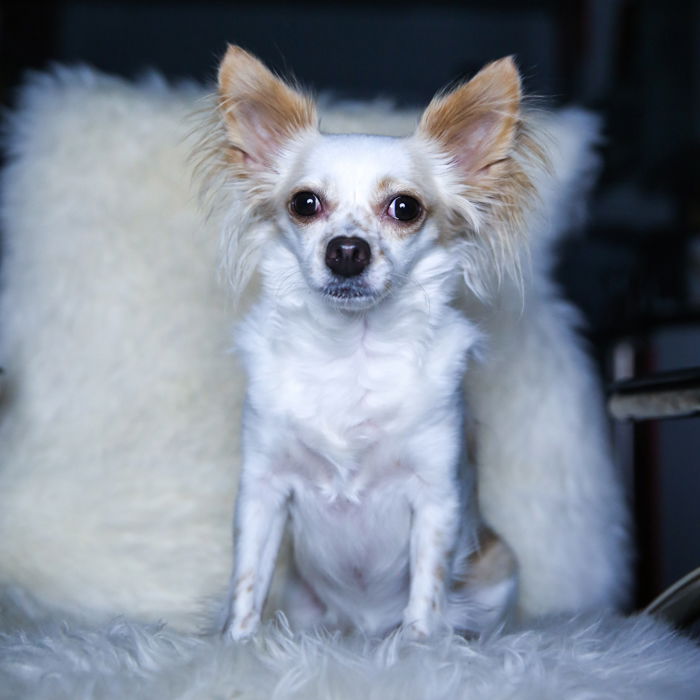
{"x": 484, "y": 598}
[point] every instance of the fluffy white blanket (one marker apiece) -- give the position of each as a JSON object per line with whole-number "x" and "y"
{"x": 119, "y": 427}
{"x": 118, "y": 435}
{"x": 593, "y": 658}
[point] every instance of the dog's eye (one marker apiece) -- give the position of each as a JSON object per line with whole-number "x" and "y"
{"x": 404, "y": 208}
{"x": 305, "y": 204}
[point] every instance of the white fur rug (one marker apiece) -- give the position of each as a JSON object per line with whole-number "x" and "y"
{"x": 589, "y": 658}
{"x": 118, "y": 438}
{"x": 119, "y": 419}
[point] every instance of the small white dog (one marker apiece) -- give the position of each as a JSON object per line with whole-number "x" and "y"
{"x": 356, "y": 350}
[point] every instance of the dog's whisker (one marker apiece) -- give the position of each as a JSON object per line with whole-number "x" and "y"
{"x": 408, "y": 281}
{"x": 289, "y": 283}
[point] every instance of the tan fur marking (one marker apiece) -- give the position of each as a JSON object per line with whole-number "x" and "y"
{"x": 250, "y": 96}
{"x": 248, "y": 576}
{"x": 387, "y": 186}
{"x": 492, "y": 562}
{"x": 386, "y": 189}
{"x": 248, "y": 620}
{"x": 488, "y": 103}
{"x": 482, "y": 130}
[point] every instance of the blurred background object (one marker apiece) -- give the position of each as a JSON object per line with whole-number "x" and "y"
{"x": 634, "y": 271}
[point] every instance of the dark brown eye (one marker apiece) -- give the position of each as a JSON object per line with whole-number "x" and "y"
{"x": 404, "y": 208}
{"x": 305, "y": 204}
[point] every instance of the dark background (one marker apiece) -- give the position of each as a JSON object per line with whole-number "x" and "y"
{"x": 635, "y": 271}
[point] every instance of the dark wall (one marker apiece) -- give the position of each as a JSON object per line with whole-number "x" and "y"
{"x": 360, "y": 49}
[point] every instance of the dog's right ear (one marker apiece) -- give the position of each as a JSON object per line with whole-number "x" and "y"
{"x": 475, "y": 124}
{"x": 261, "y": 113}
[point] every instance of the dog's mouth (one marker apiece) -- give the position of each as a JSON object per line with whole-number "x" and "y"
{"x": 347, "y": 292}
{"x": 350, "y": 295}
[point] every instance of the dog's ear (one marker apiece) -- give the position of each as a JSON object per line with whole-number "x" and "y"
{"x": 260, "y": 112}
{"x": 474, "y": 124}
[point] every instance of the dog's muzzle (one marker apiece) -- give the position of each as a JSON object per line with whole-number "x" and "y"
{"x": 347, "y": 256}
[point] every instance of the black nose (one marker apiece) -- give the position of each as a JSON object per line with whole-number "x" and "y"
{"x": 347, "y": 256}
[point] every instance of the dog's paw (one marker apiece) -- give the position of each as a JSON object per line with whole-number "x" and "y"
{"x": 240, "y": 630}
{"x": 415, "y": 631}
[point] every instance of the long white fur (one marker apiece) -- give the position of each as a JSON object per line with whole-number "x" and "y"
{"x": 49, "y": 657}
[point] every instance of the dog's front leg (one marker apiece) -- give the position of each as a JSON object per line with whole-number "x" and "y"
{"x": 261, "y": 513}
{"x": 433, "y": 533}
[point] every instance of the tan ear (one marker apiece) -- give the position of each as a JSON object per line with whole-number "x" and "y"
{"x": 260, "y": 112}
{"x": 475, "y": 123}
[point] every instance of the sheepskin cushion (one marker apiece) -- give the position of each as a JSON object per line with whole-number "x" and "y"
{"x": 118, "y": 440}
{"x": 587, "y": 658}
{"x": 121, "y": 400}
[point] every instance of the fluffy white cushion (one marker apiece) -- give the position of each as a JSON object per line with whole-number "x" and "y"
{"x": 121, "y": 402}
{"x": 578, "y": 659}
{"x": 121, "y": 405}
{"x": 118, "y": 439}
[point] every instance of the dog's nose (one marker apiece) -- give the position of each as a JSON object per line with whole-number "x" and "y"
{"x": 347, "y": 256}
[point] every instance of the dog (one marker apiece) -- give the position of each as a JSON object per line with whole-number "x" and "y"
{"x": 356, "y": 349}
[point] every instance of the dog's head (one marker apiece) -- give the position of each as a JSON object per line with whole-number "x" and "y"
{"x": 353, "y": 218}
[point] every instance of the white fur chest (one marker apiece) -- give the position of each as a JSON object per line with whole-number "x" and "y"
{"x": 336, "y": 394}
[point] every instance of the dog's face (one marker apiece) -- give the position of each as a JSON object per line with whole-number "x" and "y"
{"x": 357, "y": 214}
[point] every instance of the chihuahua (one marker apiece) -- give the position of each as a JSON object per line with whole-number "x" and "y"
{"x": 356, "y": 349}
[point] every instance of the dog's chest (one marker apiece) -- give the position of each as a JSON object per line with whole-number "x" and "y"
{"x": 345, "y": 400}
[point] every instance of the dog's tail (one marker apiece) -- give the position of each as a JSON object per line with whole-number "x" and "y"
{"x": 570, "y": 137}
{"x": 547, "y": 482}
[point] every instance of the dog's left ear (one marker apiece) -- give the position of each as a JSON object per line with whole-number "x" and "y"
{"x": 475, "y": 124}
{"x": 261, "y": 113}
